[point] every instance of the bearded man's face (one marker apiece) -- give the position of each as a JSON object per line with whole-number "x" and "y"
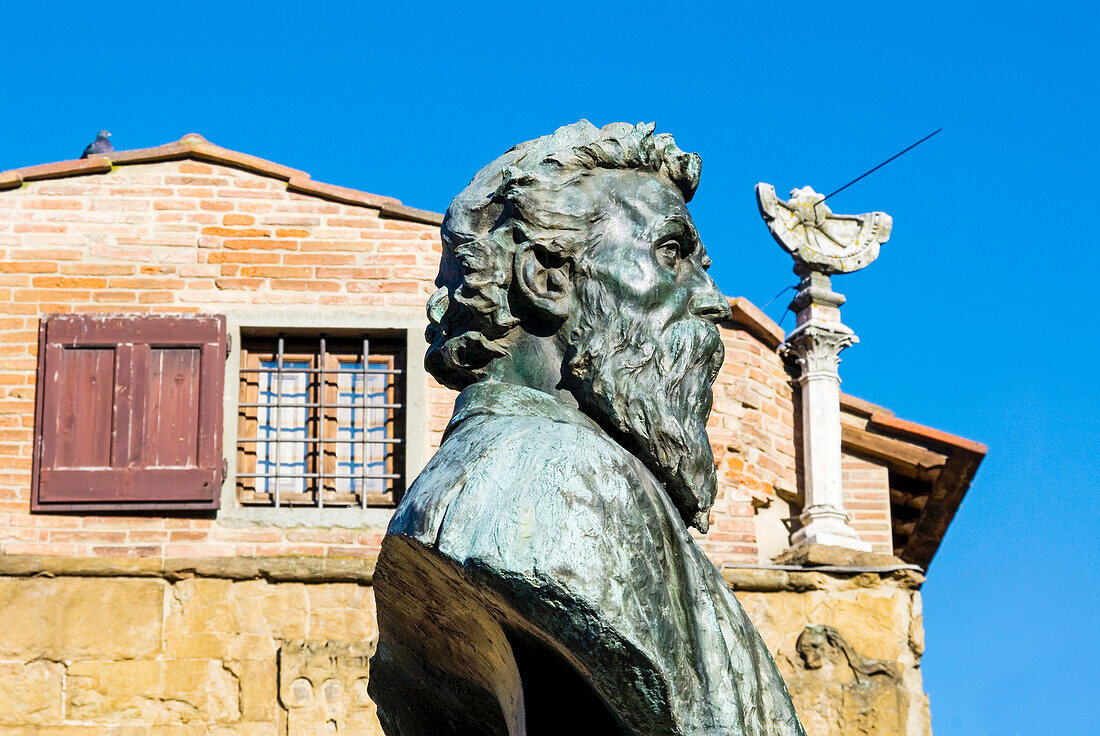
{"x": 643, "y": 348}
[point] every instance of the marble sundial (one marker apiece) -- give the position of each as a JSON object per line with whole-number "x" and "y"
{"x": 816, "y": 237}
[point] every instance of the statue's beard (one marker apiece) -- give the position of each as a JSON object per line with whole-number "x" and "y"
{"x": 650, "y": 386}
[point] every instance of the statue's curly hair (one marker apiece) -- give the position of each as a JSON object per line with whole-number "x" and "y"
{"x": 525, "y": 195}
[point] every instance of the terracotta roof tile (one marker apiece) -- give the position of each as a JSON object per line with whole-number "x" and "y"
{"x": 194, "y": 146}
{"x": 167, "y": 152}
{"x": 59, "y": 170}
{"x": 399, "y": 211}
{"x": 888, "y": 423}
{"x": 10, "y": 180}
{"x": 862, "y": 407}
{"x": 930, "y": 473}
{"x": 302, "y": 184}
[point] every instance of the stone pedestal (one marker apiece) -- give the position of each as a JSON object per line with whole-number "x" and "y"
{"x": 816, "y": 343}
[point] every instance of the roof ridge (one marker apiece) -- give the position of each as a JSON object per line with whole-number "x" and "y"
{"x": 195, "y": 146}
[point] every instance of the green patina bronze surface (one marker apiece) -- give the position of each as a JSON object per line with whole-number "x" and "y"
{"x": 538, "y": 576}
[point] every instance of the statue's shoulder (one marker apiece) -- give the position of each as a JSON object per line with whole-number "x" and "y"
{"x": 514, "y": 438}
{"x": 523, "y": 452}
{"x": 499, "y": 464}
{"x": 504, "y": 428}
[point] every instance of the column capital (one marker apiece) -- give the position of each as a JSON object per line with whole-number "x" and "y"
{"x": 815, "y": 345}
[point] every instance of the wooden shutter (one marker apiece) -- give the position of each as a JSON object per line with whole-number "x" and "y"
{"x": 129, "y": 413}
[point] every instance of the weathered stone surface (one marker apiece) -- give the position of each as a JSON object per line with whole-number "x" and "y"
{"x": 80, "y": 618}
{"x": 284, "y": 607}
{"x": 779, "y": 617}
{"x": 763, "y": 581}
{"x": 916, "y": 626}
{"x": 883, "y": 618}
{"x": 223, "y": 619}
{"x": 838, "y": 691}
{"x": 825, "y": 555}
{"x": 246, "y": 729}
{"x": 305, "y": 569}
{"x": 258, "y": 689}
{"x": 152, "y": 692}
{"x": 30, "y": 693}
{"x": 341, "y": 612}
{"x": 81, "y": 566}
{"x": 876, "y": 620}
{"x": 103, "y": 730}
{"x": 323, "y": 686}
{"x": 279, "y": 569}
{"x": 228, "y": 634}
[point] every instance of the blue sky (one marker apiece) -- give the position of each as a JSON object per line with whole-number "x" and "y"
{"x": 976, "y": 319}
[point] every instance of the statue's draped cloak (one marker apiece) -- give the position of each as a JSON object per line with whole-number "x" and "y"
{"x": 582, "y": 549}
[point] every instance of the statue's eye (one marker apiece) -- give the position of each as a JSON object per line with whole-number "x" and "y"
{"x": 669, "y": 253}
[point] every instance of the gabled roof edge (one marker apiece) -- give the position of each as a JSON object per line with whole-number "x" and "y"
{"x": 750, "y": 317}
{"x": 194, "y": 146}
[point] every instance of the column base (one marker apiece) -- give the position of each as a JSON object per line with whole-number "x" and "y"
{"x": 827, "y": 525}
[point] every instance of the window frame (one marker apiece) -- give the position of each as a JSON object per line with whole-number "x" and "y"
{"x": 320, "y": 419}
{"x": 407, "y": 325}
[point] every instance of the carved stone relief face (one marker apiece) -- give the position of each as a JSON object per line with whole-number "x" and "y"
{"x": 644, "y": 346}
{"x": 812, "y": 644}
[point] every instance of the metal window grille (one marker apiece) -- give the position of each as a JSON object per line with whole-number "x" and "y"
{"x": 321, "y": 422}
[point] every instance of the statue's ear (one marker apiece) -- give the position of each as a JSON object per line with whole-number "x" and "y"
{"x": 543, "y": 279}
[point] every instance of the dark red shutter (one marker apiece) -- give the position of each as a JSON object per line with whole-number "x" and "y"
{"x": 129, "y": 413}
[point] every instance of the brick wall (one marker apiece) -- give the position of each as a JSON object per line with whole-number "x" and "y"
{"x": 184, "y": 236}
{"x": 752, "y": 434}
{"x": 867, "y": 500}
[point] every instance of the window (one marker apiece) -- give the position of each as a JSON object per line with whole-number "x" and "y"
{"x": 128, "y": 414}
{"x": 321, "y": 421}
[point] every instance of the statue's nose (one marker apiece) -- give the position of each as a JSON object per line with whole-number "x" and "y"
{"x": 709, "y": 303}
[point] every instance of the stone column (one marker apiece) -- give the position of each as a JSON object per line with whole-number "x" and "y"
{"x": 815, "y": 343}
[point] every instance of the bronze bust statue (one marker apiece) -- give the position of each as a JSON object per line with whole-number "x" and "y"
{"x": 538, "y": 576}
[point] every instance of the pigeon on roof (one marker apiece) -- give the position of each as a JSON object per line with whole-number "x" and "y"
{"x": 101, "y": 144}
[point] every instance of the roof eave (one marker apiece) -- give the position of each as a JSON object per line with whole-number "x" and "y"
{"x": 195, "y": 147}
{"x": 945, "y": 462}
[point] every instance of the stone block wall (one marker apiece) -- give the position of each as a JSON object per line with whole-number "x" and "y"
{"x": 848, "y": 647}
{"x": 88, "y": 655}
{"x": 285, "y": 649}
